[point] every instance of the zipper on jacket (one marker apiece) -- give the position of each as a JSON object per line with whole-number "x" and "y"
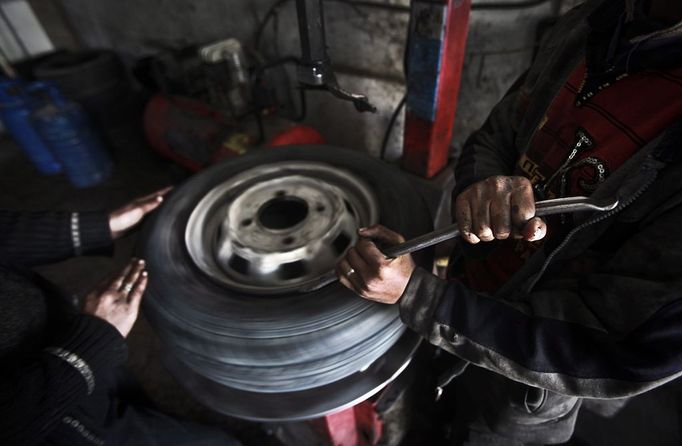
{"x": 583, "y": 96}
{"x": 583, "y": 141}
{"x": 591, "y": 222}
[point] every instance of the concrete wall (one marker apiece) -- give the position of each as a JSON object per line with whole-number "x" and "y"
{"x": 21, "y": 33}
{"x": 366, "y": 46}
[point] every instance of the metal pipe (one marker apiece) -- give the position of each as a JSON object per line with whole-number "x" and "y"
{"x": 311, "y": 31}
{"x": 542, "y": 208}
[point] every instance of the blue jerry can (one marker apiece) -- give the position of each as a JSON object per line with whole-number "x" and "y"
{"x": 16, "y": 103}
{"x": 66, "y": 129}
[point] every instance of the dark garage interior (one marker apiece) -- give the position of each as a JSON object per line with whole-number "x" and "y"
{"x": 340, "y": 222}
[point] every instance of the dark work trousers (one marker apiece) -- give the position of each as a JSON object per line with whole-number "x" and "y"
{"x": 119, "y": 413}
{"x": 494, "y": 410}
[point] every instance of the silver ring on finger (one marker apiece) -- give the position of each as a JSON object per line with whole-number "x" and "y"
{"x": 128, "y": 288}
{"x": 349, "y": 273}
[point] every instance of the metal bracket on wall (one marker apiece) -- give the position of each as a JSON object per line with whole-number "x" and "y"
{"x": 315, "y": 70}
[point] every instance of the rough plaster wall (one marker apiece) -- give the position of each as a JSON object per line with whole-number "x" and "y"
{"x": 499, "y": 49}
{"x": 366, "y": 46}
{"x": 142, "y": 27}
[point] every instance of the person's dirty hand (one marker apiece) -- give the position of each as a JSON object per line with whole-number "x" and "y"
{"x": 118, "y": 301}
{"x": 129, "y": 215}
{"x": 367, "y": 271}
{"x": 497, "y": 208}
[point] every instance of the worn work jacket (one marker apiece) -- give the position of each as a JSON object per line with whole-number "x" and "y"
{"x": 610, "y": 333}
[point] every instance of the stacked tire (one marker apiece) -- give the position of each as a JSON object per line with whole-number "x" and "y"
{"x": 98, "y": 81}
{"x": 272, "y": 348}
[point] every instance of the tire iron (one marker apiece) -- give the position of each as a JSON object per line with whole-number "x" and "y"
{"x": 542, "y": 208}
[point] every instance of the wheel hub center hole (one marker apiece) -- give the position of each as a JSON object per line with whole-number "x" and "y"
{"x": 283, "y": 212}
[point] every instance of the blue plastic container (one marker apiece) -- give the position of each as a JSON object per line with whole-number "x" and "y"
{"x": 16, "y": 104}
{"x": 68, "y": 132}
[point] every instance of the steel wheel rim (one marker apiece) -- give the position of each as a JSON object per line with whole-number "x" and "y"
{"x": 273, "y": 229}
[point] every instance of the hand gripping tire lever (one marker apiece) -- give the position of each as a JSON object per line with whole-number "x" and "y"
{"x": 542, "y": 208}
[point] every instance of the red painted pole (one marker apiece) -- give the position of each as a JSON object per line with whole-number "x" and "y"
{"x": 359, "y": 425}
{"x": 436, "y": 56}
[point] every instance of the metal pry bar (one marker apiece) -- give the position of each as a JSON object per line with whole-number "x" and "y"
{"x": 542, "y": 208}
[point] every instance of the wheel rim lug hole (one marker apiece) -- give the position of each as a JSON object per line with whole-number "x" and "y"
{"x": 247, "y": 222}
{"x": 320, "y": 208}
{"x": 280, "y": 193}
{"x": 288, "y": 240}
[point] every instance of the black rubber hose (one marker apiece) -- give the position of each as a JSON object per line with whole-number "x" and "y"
{"x": 391, "y": 123}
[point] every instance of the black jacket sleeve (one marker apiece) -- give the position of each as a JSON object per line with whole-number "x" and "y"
{"x": 611, "y": 333}
{"x": 34, "y": 238}
{"x": 36, "y": 393}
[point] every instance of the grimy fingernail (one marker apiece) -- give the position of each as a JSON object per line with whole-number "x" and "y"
{"x": 145, "y": 273}
{"x": 141, "y": 262}
{"x": 363, "y": 229}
